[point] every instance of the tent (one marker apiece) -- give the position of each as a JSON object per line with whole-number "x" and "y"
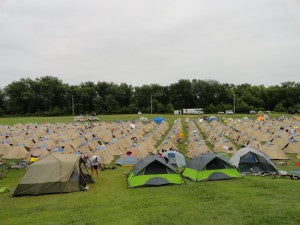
{"x": 199, "y": 148}
{"x": 212, "y": 118}
{"x": 158, "y": 120}
{"x": 210, "y": 167}
{"x": 56, "y": 173}
{"x": 129, "y": 158}
{"x": 16, "y": 152}
{"x": 153, "y": 171}
{"x": 251, "y": 160}
{"x": 273, "y": 151}
{"x": 224, "y": 145}
{"x": 175, "y": 158}
{"x": 293, "y": 145}
{"x": 38, "y": 152}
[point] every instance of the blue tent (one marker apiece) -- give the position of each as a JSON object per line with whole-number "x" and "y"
{"x": 212, "y": 118}
{"x": 158, "y": 119}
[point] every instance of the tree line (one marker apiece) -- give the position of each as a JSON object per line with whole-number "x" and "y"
{"x": 49, "y": 96}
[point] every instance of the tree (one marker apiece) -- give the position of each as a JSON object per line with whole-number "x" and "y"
{"x": 50, "y": 96}
{"x": 279, "y": 108}
{"x": 170, "y": 108}
{"x": 242, "y": 107}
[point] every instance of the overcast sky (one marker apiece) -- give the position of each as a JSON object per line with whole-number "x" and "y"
{"x": 141, "y": 41}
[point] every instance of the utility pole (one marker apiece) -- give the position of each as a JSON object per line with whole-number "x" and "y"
{"x": 73, "y": 105}
{"x": 233, "y": 94}
{"x": 151, "y": 104}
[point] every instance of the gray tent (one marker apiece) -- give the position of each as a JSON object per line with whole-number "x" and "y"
{"x": 175, "y": 158}
{"x": 251, "y": 160}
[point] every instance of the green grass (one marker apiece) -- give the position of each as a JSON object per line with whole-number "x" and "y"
{"x": 249, "y": 200}
{"x": 111, "y": 118}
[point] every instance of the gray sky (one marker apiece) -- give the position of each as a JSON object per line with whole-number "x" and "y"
{"x": 141, "y": 41}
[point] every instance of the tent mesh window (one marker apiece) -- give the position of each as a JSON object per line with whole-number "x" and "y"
{"x": 249, "y": 157}
{"x": 156, "y": 168}
{"x": 217, "y": 163}
{"x": 74, "y": 176}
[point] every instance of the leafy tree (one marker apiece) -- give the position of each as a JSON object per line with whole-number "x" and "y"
{"x": 50, "y": 96}
{"x": 279, "y": 108}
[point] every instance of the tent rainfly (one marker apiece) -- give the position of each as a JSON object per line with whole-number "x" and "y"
{"x": 210, "y": 167}
{"x": 153, "y": 171}
{"x": 56, "y": 173}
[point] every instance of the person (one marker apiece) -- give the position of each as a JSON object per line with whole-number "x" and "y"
{"x": 132, "y": 125}
{"x": 95, "y": 164}
{"x": 180, "y": 136}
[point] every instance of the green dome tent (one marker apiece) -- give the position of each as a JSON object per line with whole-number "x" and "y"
{"x": 55, "y": 173}
{"x": 209, "y": 167}
{"x": 153, "y": 171}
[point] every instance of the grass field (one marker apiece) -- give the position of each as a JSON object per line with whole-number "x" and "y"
{"x": 249, "y": 200}
{"x": 110, "y": 118}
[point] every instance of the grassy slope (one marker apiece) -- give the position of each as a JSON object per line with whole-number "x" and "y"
{"x": 249, "y": 200}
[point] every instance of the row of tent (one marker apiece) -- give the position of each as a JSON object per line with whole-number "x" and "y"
{"x": 170, "y": 141}
{"x": 23, "y": 141}
{"x": 143, "y": 147}
{"x": 155, "y": 171}
{"x": 196, "y": 144}
{"x": 225, "y": 139}
{"x": 61, "y": 173}
{"x": 283, "y": 133}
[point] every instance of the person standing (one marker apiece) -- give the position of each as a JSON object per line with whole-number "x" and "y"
{"x": 96, "y": 164}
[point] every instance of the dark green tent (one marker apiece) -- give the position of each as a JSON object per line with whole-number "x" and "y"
{"x": 210, "y": 166}
{"x": 153, "y": 171}
{"x": 55, "y": 173}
